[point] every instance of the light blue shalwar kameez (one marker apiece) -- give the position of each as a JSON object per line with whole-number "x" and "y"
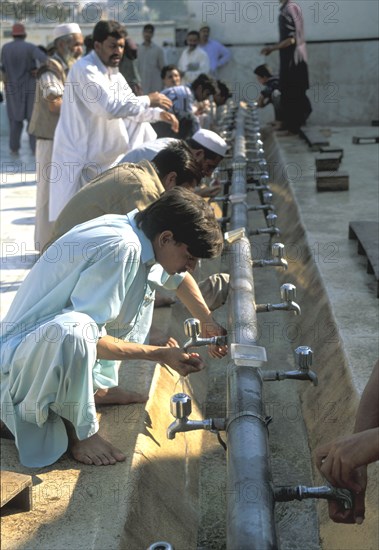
{"x": 99, "y": 278}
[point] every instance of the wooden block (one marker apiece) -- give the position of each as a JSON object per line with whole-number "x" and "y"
{"x": 332, "y": 181}
{"x": 332, "y": 149}
{"x": 314, "y": 138}
{"x": 327, "y": 161}
{"x": 16, "y": 488}
{"x": 367, "y": 235}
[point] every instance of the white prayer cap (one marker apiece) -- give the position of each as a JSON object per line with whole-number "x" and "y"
{"x": 65, "y": 29}
{"x": 210, "y": 140}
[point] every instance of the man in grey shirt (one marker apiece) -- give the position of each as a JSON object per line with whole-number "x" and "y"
{"x": 19, "y": 62}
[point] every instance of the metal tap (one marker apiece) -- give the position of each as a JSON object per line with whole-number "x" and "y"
{"x": 267, "y": 203}
{"x": 259, "y": 183}
{"x": 235, "y": 198}
{"x": 161, "y": 545}
{"x": 303, "y": 359}
{"x": 287, "y": 293}
{"x": 271, "y": 229}
{"x": 192, "y": 330}
{"x": 256, "y": 166}
{"x": 181, "y": 408}
{"x": 277, "y": 260}
{"x": 300, "y": 492}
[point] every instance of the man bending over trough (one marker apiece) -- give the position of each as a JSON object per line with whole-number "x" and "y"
{"x": 77, "y": 315}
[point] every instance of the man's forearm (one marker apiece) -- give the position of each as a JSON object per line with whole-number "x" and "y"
{"x": 190, "y": 295}
{"x": 115, "y": 349}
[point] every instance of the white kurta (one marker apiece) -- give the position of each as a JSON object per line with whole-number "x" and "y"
{"x": 97, "y": 279}
{"x": 91, "y": 136}
{"x": 50, "y": 86}
{"x": 193, "y": 63}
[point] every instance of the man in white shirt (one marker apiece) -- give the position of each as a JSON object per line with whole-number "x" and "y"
{"x": 51, "y": 77}
{"x": 193, "y": 60}
{"x": 91, "y": 135}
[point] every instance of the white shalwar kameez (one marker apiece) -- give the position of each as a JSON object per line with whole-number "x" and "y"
{"x": 91, "y": 135}
{"x": 97, "y": 279}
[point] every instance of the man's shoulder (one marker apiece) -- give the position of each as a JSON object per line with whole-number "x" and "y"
{"x": 85, "y": 63}
{"x": 51, "y": 66}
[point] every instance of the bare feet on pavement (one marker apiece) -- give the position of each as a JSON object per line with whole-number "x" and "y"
{"x": 95, "y": 450}
{"x": 118, "y": 396}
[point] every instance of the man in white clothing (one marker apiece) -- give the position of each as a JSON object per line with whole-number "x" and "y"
{"x": 51, "y": 77}
{"x": 193, "y": 60}
{"x": 91, "y": 135}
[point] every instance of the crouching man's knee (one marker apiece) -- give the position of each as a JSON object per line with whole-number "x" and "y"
{"x": 79, "y": 333}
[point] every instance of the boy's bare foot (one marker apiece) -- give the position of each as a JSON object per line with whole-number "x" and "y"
{"x": 94, "y": 450}
{"x": 118, "y": 396}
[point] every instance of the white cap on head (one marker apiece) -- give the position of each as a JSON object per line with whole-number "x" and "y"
{"x": 210, "y": 140}
{"x": 65, "y": 29}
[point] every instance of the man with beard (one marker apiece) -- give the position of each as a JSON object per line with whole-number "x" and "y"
{"x": 193, "y": 60}
{"x": 51, "y": 77}
{"x": 91, "y": 135}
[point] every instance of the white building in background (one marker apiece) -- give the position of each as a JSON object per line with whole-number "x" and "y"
{"x": 341, "y": 36}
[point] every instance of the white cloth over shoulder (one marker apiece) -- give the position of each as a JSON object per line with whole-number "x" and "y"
{"x": 148, "y": 150}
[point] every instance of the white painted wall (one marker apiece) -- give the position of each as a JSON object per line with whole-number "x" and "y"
{"x": 255, "y": 21}
{"x": 343, "y": 75}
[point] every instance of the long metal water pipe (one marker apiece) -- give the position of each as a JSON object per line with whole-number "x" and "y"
{"x": 250, "y": 498}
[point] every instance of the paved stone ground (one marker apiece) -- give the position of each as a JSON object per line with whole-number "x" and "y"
{"x": 350, "y": 290}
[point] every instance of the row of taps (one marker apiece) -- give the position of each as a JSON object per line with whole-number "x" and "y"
{"x": 180, "y": 405}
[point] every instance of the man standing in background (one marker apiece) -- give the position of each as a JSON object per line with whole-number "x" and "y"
{"x": 91, "y": 135}
{"x": 293, "y": 76}
{"x": 193, "y": 60}
{"x": 19, "y": 60}
{"x": 51, "y": 77}
{"x": 150, "y": 61}
{"x": 218, "y": 54}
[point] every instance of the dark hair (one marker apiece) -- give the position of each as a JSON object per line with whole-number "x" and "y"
{"x": 88, "y": 43}
{"x": 208, "y": 154}
{"x": 194, "y": 32}
{"x": 263, "y": 71}
{"x": 103, "y": 29}
{"x": 167, "y": 68}
{"x": 191, "y": 220}
{"x": 223, "y": 89}
{"x": 206, "y": 82}
{"x": 149, "y": 27}
{"x": 178, "y": 157}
